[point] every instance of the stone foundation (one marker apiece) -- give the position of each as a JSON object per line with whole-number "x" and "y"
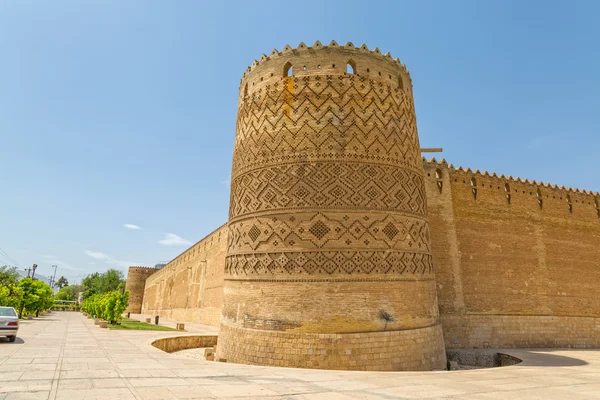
{"x": 520, "y": 331}
{"x": 408, "y": 350}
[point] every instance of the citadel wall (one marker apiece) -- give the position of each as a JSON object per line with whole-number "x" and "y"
{"x": 335, "y": 223}
{"x": 190, "y": 287}
{"x": 517, "y": 262}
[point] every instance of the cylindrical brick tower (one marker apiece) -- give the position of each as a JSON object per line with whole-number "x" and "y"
{"x": 136, "y": 284}
{"x": 329, "y": 262}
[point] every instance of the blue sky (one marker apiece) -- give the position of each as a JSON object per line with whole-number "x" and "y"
{"x": 123, "y": 112}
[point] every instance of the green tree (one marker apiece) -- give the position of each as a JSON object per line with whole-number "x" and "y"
{"x": 105, "y": 282}
{"x": 10, "y": 293}
{"x": 37, "y": 296}
{"x": 115, "y": 305}
{"x": 62, "y": 282}
{"x": 70, "y": 293}
{"x": 8, "y": 275}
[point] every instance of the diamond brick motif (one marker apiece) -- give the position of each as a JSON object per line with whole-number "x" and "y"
{"x": 390, "y": 230}
{"x": 254, "y": 233}
{"x": 319, "y": 229}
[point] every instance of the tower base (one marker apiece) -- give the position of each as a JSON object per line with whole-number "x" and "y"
{"x": 407, "y": 350}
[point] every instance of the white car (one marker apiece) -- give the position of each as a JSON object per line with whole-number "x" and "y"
{"x": 9, "y": 323}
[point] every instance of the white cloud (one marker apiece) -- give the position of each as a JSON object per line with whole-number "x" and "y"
{"x": 96, "y": 255}
{"x": 131, "y": 226}
{"x": 172, "y": 239}
{"x": 54, "y": 260}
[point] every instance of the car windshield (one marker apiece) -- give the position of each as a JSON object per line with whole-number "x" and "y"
{"x": 7, "y": 312}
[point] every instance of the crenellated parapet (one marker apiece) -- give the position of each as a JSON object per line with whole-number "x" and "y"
{"x": 514, "y": 191}
{"x": 324, "y": 60}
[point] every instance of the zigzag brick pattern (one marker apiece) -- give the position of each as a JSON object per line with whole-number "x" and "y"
{"x": 328, "y": 230}
{"x": 336, "y": 143}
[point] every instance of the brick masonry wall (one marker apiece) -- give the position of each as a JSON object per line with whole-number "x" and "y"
{"x": 190, "y": 287}
{"x": 136, "y": 283}
{"x": 484, "y": 331}
{"x": 328, "y": 230}
{"x": 508, "y": 251}
{"x": 409, "y": 350}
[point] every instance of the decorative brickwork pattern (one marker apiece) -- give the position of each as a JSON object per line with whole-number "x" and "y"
{"x": 327, "y": 187}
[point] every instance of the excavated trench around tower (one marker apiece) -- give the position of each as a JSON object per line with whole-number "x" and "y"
{"x": 195, "y": 346}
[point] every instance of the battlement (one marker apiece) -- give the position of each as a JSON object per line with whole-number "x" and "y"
{"x": 433, "y": 164}
{"x": 139, "y": 267}
{"x": 331, "y": 59}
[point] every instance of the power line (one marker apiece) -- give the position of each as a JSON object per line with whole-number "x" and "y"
{"x": 9, "y": 257}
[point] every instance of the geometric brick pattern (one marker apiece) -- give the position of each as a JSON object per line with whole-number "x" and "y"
{"x": 326, "y": 186}
{"x": 327, "y": 163}
{"x": 368, "y": 231}
{"x": 313, "y": 263}
{"x": 314, "y": 117}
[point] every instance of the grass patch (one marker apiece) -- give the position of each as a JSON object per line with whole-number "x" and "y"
{"x": 139, "y": 326}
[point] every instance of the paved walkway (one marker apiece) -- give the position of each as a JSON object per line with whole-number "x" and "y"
{"x": 190, "y": 327}
{"x": 65, "y": 356}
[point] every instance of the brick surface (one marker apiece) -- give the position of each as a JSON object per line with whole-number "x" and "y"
{"x": 336, "y": 225}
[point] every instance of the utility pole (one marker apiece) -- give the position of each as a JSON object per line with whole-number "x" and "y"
{"x": 34, "y": 268}
{"x": 28, "y": 272}
{"x": 53, "y": 281}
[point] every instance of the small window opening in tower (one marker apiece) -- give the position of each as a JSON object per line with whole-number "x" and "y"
{"x": 438, "y": 173}
{"x": 506, "y": 187}
{"x": 400, "y": 82}
{"x": 304, "y": 68}
{"x": 287, "y": 69}
{"x": 351, "y": 67}
{"x": 246, "y": 90}
{"x": 539, "y": 198}
{"x": 474, "y": 188}
{"x": 570, "y": 203}
{"x": 318, "y": 67}
{"x": 508, "y": 198}
{"x": 597, "y": 203}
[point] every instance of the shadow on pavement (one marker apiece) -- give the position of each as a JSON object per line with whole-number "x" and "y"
{"x": 541, "y": 358}
{"x": 4, "y": 339}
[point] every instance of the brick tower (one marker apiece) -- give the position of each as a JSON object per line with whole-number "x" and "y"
{"x": 136, "y": 283}
{"x": 329, "y": 261}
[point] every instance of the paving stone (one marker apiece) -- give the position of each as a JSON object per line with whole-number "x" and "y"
{"x": 544, "y": 374}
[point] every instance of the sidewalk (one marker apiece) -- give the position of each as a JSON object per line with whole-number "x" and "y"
{"x": 190, "y": 327}
{"x": 65, "y": 356}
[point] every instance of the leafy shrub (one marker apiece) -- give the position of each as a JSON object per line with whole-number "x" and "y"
{"x": 108, "y": 306}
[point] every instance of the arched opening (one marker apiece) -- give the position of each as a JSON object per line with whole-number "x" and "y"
{"x": 539, "y": 198}
{"x": 400, "y": 82}
{"x": 287, "y": 69}
{"x": 246, "y": 90}
{"x": 351, "y": 67}
{"x": 506, "y": 187}
{"x": 474, "y": 188}
{"x": 597, "y": 203}
{"x": 438, "y": 173}
{"x": 570, "y": 203}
